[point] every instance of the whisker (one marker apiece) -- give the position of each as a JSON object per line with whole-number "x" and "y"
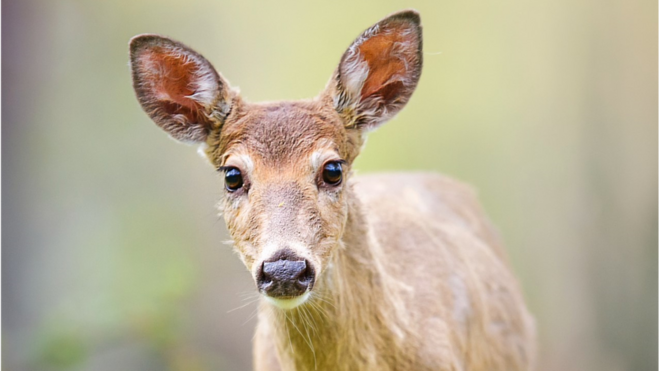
{"x": 307, "y": 323}
{"x": 254, "y": 313}
{"x": 311, "y": 347}
{"x": 312, "y": 320}
{"x": 325, "y": 300}
{"x": 287, "y": 332}
{"x": 244, "y": 305}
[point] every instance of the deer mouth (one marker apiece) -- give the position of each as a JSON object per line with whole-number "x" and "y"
{"x": 285, "y": 279}
{"x": 288, "y": 302}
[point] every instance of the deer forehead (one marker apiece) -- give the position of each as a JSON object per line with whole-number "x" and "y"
{"x": 281, "y": 135}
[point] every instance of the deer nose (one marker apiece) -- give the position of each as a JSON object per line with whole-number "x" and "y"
{"x": 285, "y": 278}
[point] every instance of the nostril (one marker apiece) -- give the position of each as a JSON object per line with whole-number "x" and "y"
{"x": 306, "y": 276}
{"x": 264, "y": 280}
{"x": 284, "y": 277}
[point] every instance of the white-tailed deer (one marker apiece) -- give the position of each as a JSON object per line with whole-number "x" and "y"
{"x": 385, "y": 272}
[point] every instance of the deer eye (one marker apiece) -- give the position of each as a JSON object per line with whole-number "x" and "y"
{"x": 233, "y": 179}
{"x": 332, "y": 174}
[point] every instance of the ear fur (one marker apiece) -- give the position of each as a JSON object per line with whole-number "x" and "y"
{"x": 379, "y": 72}
{"x": 178, "y": 88}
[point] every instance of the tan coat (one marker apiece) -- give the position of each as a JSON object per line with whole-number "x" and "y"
{"x": 384, "y": 272}
{"x": 420, "y": 283}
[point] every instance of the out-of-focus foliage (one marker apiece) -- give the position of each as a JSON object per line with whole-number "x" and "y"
{"x": 113, "y": 255}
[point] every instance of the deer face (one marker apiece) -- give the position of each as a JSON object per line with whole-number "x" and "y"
{"x": 285, "y": 165}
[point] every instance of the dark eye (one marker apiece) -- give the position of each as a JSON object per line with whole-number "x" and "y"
{"x": 332, "y": 174}
{"x": 233, "y": 179}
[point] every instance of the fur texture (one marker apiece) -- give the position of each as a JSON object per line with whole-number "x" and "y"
{"x": 379, "y": 71}
{"x": 178, "y": 88}
{"x": 410, "y": 275}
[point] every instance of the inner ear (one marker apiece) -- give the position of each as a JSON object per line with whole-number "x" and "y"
{"x": 178, "y": 88}
{"x": 380, "y": 70}
{"x": 386, "y": 58}
{"x": 173, "y": 83}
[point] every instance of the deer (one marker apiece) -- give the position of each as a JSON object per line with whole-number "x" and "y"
{"x": 400, "y": 271}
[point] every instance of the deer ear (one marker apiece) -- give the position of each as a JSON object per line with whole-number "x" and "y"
{"x": 379, "y": 71}
{"x": 178, "y": 88}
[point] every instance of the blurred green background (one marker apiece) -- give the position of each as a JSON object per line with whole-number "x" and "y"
{"x": 113, "y": 253}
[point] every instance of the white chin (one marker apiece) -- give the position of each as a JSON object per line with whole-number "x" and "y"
{"x": 288, "y": 303}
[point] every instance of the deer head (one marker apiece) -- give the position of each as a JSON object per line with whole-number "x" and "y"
{"x": 286, "y": 165}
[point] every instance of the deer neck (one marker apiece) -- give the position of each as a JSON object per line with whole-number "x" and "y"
{"x": 348, "y": 320}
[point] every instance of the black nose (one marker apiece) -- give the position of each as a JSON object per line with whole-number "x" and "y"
{"x": 285, "y": 277}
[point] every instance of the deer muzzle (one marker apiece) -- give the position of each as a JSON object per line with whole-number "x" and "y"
{"x": 285, "y": 277}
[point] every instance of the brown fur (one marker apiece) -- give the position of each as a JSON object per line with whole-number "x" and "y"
{"x": 409, "y": 272}
{"x": 417, "y": 284}
{"x": 376, "y": 51}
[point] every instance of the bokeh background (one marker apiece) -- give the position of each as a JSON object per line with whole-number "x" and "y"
{"x": 113, "y": 255}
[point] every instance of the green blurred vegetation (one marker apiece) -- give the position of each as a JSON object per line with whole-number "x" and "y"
{"x": 112, "y": 249}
